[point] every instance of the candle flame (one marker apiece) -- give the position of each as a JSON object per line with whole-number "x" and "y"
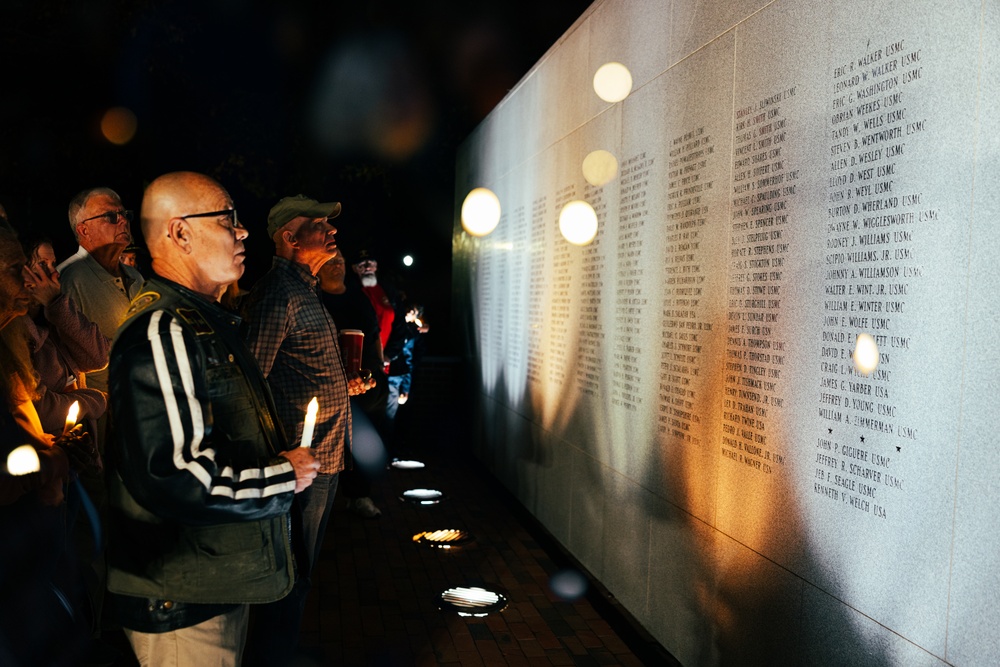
{"x": 71, "y": 416}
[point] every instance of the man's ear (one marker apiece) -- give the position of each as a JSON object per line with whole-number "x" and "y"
{"x": 179, "y": 231}
{"x": 290, "y": 238}
{"x": 81, "y": 229}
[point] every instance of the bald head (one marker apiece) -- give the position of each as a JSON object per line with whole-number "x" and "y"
{"x": 172, "y": 195}
{"x": 202, "y": 252}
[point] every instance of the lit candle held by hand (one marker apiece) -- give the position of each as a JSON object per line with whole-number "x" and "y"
{"x": 310, "y": 424}
{"x": 74, "y": 412}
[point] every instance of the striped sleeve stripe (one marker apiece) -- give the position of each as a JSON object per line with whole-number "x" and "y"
{"x": 174, "y": 417}
{"x": 262, "y": 482}
{"x": 282, "y": 468}
{"x": 272, "y": 490}
{"x": 254, "y": 492}
{"x": 187, "y": 382}
{"x": 252, "y": 483}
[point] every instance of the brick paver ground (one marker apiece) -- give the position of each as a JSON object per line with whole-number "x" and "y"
{"x": 375, "y": 595}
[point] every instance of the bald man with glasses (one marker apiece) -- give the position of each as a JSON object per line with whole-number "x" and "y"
{"x": 202, "y": 477}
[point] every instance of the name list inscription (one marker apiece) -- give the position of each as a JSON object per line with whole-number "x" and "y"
{"x": 487, "y": 269}
{"x": 559, "y": 299}
{"x": 516, "y": 306}
{"x": 875, "y": 218}
{"x": 589, "y": 359}
{"x": 683, "y": 323}
{"x": 630, "y": 299}
{"x": 536, "y": 289}
{"x": 764, "y": 189}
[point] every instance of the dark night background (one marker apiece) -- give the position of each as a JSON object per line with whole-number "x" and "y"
{"x": 363, "y": 103}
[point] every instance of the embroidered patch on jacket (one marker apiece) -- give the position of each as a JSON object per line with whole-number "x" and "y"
{"x": 141, "y": 302}
{"x": 196, "y": 321}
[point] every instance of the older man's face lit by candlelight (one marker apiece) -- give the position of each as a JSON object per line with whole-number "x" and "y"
{"x": 14, "y": 297}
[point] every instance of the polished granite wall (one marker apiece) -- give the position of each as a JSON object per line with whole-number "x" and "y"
{"x": 676, "y": 401}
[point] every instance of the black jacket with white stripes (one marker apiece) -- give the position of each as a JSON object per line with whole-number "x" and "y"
{"x": 199, "y": 497}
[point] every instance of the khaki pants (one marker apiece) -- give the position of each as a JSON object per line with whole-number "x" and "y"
{"x": 217, "y": 642}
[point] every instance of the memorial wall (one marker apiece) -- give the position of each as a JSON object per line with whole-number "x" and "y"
{"x": 678, "y": 401}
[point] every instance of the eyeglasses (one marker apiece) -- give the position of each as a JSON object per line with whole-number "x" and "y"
{"x": 234, "y": 221}
{"x": 112, "y": 217}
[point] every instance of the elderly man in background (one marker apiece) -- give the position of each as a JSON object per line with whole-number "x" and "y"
{"x": 295, "y": 342}
{"x": 102, "y": 289}
{"x": 94, "y": 277}
{"x": 383, "y": 301}
{"x": 202, "y": 479}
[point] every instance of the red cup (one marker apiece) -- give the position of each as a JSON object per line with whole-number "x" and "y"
{"x": 351, "y": 342}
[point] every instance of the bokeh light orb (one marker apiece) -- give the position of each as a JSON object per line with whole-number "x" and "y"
{"x": 569, "y": 585}
{"x": 578, "y": 222}
{"x": 865, "y": 353}
{"x": 612, "y": 82}
{"x": 367, "y": 449}
{"x": 480, "y": 212}
{"x": 23, "y": 460}
{"x": 408, "y": 260}
{"x": 600, "y": 167}
{"x": 118, "y": 125}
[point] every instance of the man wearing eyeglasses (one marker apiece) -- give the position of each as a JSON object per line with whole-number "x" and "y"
{"x": 103, "y": 289}
{"x": 202, "y": 478}
{"x": 94, "y": 277}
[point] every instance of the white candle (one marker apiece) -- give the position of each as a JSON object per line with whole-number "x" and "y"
{"x": 74, "y": 412}
{"x": 310, "y": 424}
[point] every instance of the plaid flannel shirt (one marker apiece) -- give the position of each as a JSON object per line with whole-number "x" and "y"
{"x": 294, "y": 340}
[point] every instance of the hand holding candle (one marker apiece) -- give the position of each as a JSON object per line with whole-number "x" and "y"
{"x": 78, "y": 445}
{"x": 310, "y": 423}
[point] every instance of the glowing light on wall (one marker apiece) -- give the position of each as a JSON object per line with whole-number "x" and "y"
{"x": 118, "y": 125}
{"x": 600, "y": 167}
{"x": 578, "y": 222}
{"x": 480, "y": 212}
{"x": 612, "y": 82}
{"x": 865, "y": 353}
